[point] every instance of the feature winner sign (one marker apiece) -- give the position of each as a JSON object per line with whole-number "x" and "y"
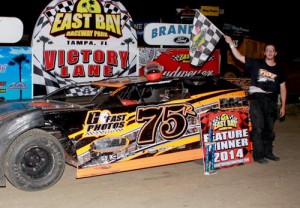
{"x": 230, "y": 136}
{"x": 82, "y": 40}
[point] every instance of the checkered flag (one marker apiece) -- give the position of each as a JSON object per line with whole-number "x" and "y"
{"x": 62, "y": 81}
{"x": 82, "y": 91}
{"x": 64, "y": 6}
{"x": 76, "y": 91}
{"x": 42, "y": 22}
{"x": 45, "y": 82}
{"x": 204, "y": 38}
{"x": 110, "y": 8}
{"x": 126, "y": 20}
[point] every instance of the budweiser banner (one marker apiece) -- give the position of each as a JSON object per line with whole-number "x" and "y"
{"x": 176, "y": 62}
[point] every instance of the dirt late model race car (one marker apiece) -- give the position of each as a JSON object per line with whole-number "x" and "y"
{"x": 108, "y": 126}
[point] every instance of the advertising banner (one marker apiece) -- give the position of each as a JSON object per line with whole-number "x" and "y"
{"x": 231, "y": 29}
{"x": 230, "y": 136}
{"x": 15, "y": 73}
{"x": 176, "y": 62}
{"x": 139, "y": 27}
{"x": 168, "y": 34}
{"x": 79, "y": 40}
{"x": 210, "y": 10}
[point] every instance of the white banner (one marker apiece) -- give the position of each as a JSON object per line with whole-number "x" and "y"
{"x": 168, "y": 34}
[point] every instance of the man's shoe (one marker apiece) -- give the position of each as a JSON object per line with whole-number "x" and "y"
{"x": 261, "y": 161}
{"x": 272, "y": 157}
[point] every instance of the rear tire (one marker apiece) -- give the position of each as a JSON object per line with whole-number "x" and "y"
{"x": 34, "y": 161}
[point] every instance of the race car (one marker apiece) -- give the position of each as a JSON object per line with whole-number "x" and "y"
{"x": 108, "y": 126}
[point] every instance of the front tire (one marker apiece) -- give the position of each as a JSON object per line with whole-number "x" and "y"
{"x": 34, "y": 161}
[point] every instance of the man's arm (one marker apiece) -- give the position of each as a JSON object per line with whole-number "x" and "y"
{"x": 234, "y": 50}
{"x": 283, "y": 94}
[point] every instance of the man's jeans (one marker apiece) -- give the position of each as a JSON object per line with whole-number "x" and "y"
{"x": 263, "y": 113}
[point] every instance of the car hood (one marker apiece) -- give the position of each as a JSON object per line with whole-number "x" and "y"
{"x": 14, "y": 107}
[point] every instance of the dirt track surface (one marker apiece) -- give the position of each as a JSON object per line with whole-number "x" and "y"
{"x": 184, "y": 185}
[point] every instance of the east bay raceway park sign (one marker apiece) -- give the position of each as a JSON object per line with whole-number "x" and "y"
{"x": 80, "y": 40}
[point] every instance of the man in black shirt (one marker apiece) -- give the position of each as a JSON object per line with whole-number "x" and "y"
{"x": 267, "y": 82}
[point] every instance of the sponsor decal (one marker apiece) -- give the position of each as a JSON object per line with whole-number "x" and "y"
{"x": 158, "y": 130}
{"x": 103, "y": 122}
{"x": 17, "y": 85}
{"x": 198, "y": 40}
{"x": 181, "y": 40}
{"x": 109, "y": 144}
{"x": 170, "y": 121}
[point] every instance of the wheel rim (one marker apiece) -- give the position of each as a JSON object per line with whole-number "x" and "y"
{"x": 37, "y": 163}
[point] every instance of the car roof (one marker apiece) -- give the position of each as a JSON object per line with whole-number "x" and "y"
{"x": 122, "y": 81}
{"x": 119, "y": 82}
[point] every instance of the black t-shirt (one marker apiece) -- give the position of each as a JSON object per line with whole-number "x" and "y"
{"x": 263, "y": 76}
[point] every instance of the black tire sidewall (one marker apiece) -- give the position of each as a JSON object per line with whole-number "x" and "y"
{"x": 14, "y": 156}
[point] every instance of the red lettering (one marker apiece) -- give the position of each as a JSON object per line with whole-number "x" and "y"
{"x": 123, "y": 57}
{"x": 64, "y": 72}
{"x": 112, "y": 58}
{"x": 99, "y": 57}
{"x": 61, "y": 58}
{"x": 94, "y": 71}
{"x": 107, "y": 71}
{"x": 78, "y": 71}
{"x": 73, "y": 56}
{"x": 49, "y": 60}
{"x": 86, "y": 55}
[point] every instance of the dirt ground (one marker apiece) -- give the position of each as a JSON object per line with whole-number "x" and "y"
{"x": 184, "y": 185}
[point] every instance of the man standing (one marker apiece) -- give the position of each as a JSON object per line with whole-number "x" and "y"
{"x": 267, "y": 82}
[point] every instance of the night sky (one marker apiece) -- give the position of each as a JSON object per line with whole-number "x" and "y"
{"x": 272, "y": 22}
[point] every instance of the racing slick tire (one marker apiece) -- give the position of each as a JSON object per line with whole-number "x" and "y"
{"x": 34, "y": 161}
